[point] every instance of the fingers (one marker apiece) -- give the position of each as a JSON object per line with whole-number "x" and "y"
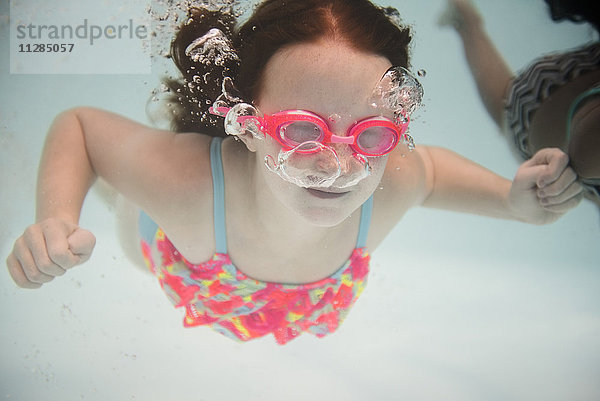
{"x": 81, "y": 243}
{"x": 553, "y": 162}
{"x": 47, "y": 250}
{"x": 558, "y": 188}
{"x": 564, "y": 206}
{"x": 17, "y": 268}
{"x": 563, "y": 188}
{"x": 545, "y": 187}
{"x": 544, "y": 168}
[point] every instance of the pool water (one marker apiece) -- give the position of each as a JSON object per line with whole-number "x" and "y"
{"x": 458, "y": 307}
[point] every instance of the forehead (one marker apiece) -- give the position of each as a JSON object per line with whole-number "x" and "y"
{"x": 324, "y": 77}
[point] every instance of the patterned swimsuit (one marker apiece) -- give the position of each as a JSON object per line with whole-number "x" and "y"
{"x": 533, "y": 85}
{"x": 216, "y": 293}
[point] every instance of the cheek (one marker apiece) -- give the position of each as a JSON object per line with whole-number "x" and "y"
{"x": 267, "y": 147}
{"x": 270, "y": 149}
{"x": 370, "y": 184}
{"x": 378, "y": 163}
{"x": 377, "y": 168}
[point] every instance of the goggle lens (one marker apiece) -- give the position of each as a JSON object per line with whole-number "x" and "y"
{"x": 296, "y": 132}
{"x": 377, "y": 140}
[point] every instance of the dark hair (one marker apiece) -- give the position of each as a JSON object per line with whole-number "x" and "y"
{"x": 273, "y": 25}
{"x": 576, "y": 11}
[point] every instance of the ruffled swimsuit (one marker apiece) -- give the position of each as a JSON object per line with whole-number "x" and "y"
{"x": 217, "y": 294}
{"x": 534, "y": 84}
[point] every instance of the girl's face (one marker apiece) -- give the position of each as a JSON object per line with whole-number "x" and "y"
{"x": 335, "y": 82}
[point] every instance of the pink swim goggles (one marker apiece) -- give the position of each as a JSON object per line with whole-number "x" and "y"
{"x": 306, "y": 158}
{"x": 373, "y": 136}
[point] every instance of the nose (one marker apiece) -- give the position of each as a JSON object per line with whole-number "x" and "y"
{"x": 353, "y": 167}
{"x": 327, "y": 160}
{"x": 346, "y": 157}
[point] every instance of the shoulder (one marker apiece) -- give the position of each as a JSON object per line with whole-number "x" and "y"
{"x": 179, "y": 178}
{"x": 408, "y": 176}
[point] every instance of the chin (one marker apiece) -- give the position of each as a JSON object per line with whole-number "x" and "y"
{"x": 321, "y": 207}
{"x": 325, "y": 216}
{"x": 324, "y": 211}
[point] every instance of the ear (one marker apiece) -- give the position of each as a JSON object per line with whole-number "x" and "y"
{"x": 249, "y": 140}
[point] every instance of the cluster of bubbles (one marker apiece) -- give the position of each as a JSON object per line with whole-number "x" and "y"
{"x": 166, "y": 17}
{"x": 399, "y": 91}
{"x": 240, "y": 117}
{"x": 244, "y": 118}
{"x": 315, "y": 165}
{"x": 229, "y": 96}
{"x": 296, "y": 167}
{"x": 212, "y": 47}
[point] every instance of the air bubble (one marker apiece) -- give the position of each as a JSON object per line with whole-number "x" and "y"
{"x": 398, "y": 91}
{"x": 400, "y": 118}
{"x": 229, "y": 96}
{"x": 309, "y": 165}
{"x": 218, "y": 107}
{"x": 334, "y": 118}
{"x": 229, "y": 91}
{"x": 270, "y": 163}
{"x": 214, "y": 46}
{"x": 409, "y": 142}
{"x": 243, "y": 118}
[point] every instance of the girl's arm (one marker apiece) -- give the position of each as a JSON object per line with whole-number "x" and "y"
{"x": 543, "y": 189}
{"x": 65, "y": 172}
{"x": 153, "y": 168}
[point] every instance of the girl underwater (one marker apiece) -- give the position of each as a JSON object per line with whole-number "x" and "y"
{"x": 265, "y": 227}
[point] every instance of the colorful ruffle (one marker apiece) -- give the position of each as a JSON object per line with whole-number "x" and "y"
{"x": 217, "y": 294}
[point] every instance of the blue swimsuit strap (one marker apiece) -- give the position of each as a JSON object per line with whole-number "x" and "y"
{"x": 365, "y": 222}
{"x": 578, "y": 100}
{"x": 216, "y": 165}
{"x": 218, "y": 178}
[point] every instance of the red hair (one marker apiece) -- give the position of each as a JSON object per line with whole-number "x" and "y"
{"x": 273, "y": 25}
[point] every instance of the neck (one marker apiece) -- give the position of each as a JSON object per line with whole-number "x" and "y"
{"x": 274, "y": 221}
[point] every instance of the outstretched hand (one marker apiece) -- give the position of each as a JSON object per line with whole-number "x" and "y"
{"x": 545, "y": 187}
{"x": 47, "y": 250}
{"x": 459, "y": 14}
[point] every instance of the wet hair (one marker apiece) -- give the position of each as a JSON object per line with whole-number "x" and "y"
{"x": 273, "y": 25}
{"x": 576, "y": 11}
